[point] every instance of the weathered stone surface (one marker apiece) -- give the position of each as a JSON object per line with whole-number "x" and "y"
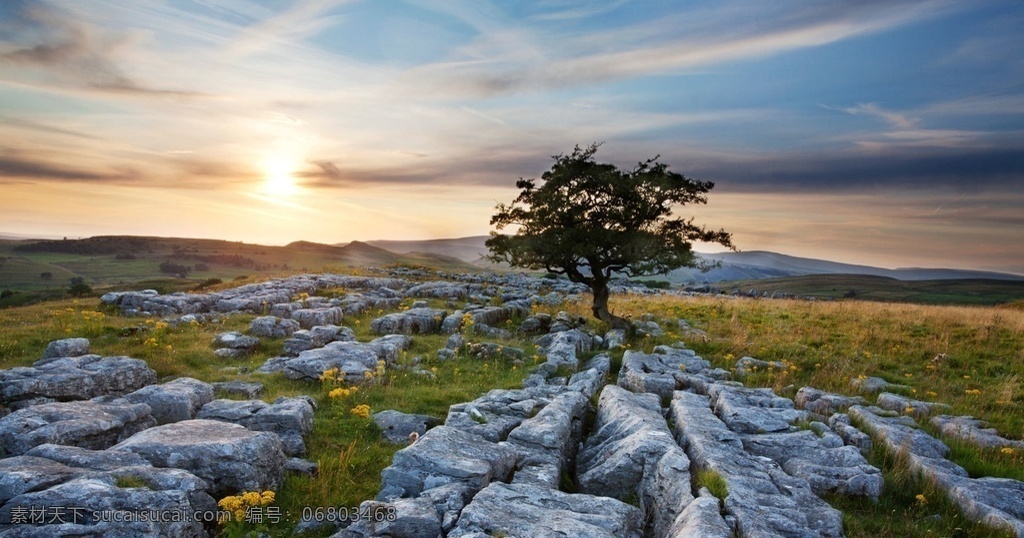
{"x": 68, "y": 347}
{"x": 23, "y": 474}
{"x": 547, "y": 442}
{"x": 84, "y": 458}
{"x": 235, "y": 340}
{"x": 353, "y": 358}
{"x": 73, "y": 378}
{"x": 433, "y": 513}
{"x": 664, "y": 371}
{"x": 701, "y": 518}
{"x": 273, "y": 327}
{"x": 823, "y": 461}
{"x": 910, "y": 406}
{"x": 748, "y": 410}
{"x": 248, "y": 389}
{"x": 446, "y": 455}
{"x": 493, "y": 415}
{"x": 397, "y": 426}
{"x": 825, "y": 403}
{"x": 86, "y": 424}
{"x": 748, "y": 365}
{"x": 535, "y": 324}
{"x": 174, "y": 401}
{"x": 840, "y": 423}
{"x": 301, "y": 466}
{"x": 764, "y": 499}
{"x": 901, "y": 433}
{"x": 318, "y": 336}
{"x": 121, "y": 510}
{"x": 230, "y": 458}
{"x": 311, "y": 317}
{"x": 289, "y": 418}
{"x": 412, "y": 321}
{"x": 874, "y": 385}
{"x": 997, "y": 502}
{"x": 973, "y": 431}
{"x": 523, "y": 510}
{"x": 632, "y": 453}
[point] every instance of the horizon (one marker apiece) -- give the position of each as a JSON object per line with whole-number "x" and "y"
{"x": 12, "y": 237}
{"x": 885, "y": 133}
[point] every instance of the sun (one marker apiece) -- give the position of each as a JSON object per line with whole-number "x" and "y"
{"x": 279, "y": 181}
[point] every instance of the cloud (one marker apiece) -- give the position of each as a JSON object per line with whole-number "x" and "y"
{"x": 75, "y": 52}
{"x": 967, "y": 169}
{"x": 499, "y": 62}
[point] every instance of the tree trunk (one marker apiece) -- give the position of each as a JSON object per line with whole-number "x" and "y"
{"x": 600, "y": 308}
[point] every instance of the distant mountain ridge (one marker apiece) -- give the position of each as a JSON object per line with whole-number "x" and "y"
{"x": 748, "y": 265}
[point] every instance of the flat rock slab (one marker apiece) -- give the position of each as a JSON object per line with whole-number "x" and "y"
{"x": 73, "y": 378}
{"x": 412, "y": 321}
{"x": 175, "y": 400}
{"x": 997, "y": 502}
{"x": 355, "y": 359}
{"x": 547, "y": 442}
{"x": 910, "y": 406}
{"x": 229, "y": 457}
{"x": 825, "y": 403}
{"x": 527, "y": 511}
{"x": 749, "y": 410}
{"x": 666, "y": 370}
{"x": 764, "y": 499}
{"x": 68, "y": 347}
{"x": 86, "y": 424}
{"x": 973, "y": 431}
{"x": 273, "y": 327}
{"x": 289, "y": 418}
{"x": 446, "y": 455}
{"x": 632, "y": 454}
{"x": 493, "y": 415}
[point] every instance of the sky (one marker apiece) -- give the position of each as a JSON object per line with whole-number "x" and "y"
{"x": 886, "y": 132}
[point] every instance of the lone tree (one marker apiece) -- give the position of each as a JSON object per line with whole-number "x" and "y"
{"x": 590, "y": 220}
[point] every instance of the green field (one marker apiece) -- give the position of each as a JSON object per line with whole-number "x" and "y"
{"x": 39, "y": 270}
{"x": 877, "y": 288}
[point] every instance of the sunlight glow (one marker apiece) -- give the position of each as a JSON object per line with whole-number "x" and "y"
{"x": 278, "y": 171}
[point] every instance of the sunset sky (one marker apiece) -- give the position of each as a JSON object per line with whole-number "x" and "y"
{"x": 885, "y": 132}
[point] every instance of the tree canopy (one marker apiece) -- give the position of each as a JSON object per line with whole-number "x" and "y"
{"x": 590, "y": 221}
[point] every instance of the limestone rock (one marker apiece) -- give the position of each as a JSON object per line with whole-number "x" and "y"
{"x": 250, "y": 390}
{"x": 86, "y": 424}
{"x": 273, "y": 327}
{"x": 412, "y": 321}
{"x": 523, "y": 510}
{"x": 311, "y": 317}
{"x": 230, "y": 458}
{"x": 973, "y": 431}
{"x": 446, "y": 455}
{"x": 909, "y": 406}
{"x": 874, "y": 385}
{"x": 174, "y": 401}
{"x": 68, "y": 347}
{"x": 73, "y": 378}
{"x": 289, "y": 418}
{"x": 825, "y": 403}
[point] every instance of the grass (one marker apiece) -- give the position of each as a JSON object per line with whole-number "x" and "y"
{"x": 823, "y": 344}
{"x": 715, "y": 482}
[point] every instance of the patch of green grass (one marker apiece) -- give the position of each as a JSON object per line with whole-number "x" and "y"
{"x": 715, "y": 482}
{"x": 128, "y": 481}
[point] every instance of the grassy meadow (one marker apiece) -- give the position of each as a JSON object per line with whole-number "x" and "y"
{"x": 824, "y": 344}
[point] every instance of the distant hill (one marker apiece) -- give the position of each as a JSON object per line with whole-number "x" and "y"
{"x": 879, "y": 288}
{"x": 749, "y": 265}
{"x": 121, "y": 260}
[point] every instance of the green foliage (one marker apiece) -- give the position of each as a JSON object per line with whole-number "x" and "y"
{"x": 129, "y": 481}
{"x": 716, "y": 484}
{"x": 78, "y": 287}
{"x": 589, "y": 220}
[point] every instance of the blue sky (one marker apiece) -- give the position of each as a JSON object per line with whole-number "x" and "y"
{"x": 880, "y": 132}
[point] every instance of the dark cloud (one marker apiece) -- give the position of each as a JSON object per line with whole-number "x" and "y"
{"x": 72, "y": 50}
{"x": 957, "y": 168}
{"x": 13, "y": 166}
